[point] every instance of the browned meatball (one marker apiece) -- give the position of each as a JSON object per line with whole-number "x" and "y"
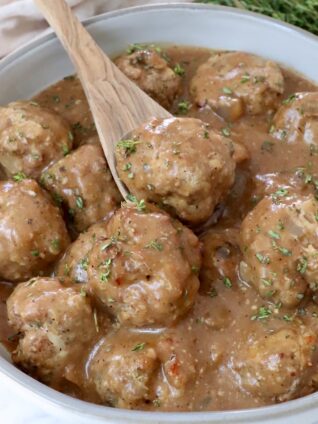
{"x": 236, "y": 83}
{"x": 84, "y": 184}
{"x": 279, "y": 244}
{"x": 32, "y": 232}
{"x": 296, "y": 121}
{"x": 277, "y": 367}
{"x": 150, "y": 69}
{"x": 145, "y": 267}
{"x": 67, "y": 98}
{"x": 55, "y": 322}
{"x": 178, "y": 162}
{"x": 31, "y": 137}
{"x": 129, "y": 370}
{"x": 74, "y": 262}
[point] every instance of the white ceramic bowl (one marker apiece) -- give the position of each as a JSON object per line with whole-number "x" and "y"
{"x": 42, "y": 62}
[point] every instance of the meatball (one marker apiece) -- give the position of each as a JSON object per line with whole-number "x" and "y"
{"x": 177, "y": 162}
{"x": 84, "y": 184}
{"x": 31, "y": 137}
{"x": 67, "y": 98}
{"x": 50, "y": 315}
{"x": 74, "y": 262}
{"x": 278, "y": 365}
{"x": 150, "y": 70}
{"x": 145, "y": 267}
{"x": 236, "y": 83}
{"x": 296, "y": 121}
{"x": 129, "y": 370}
{"x": 27, "y": 243}
{"x": 279, "y": 245}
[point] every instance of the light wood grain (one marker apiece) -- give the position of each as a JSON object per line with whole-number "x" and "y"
{"x": 117, "y": 104}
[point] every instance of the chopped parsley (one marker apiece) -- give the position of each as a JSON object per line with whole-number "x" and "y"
{"x": 79, "y": 202}
{"x": 138, "y": 347}
{"x": 212, "y": 292}
{"x": 262, "y": 259}
{"x": 127, "y": 166}
{"x": 227, "y": 282}
{"x": 287, "y": 318}
{"x": 227, "y": 90}
{"x": 226, "y": 131}
{"x": 273, "y": 234}
{"x": 179, "y": 70}
{"x": 281, "y": 192}
{"x": 184, "y": 107}
{"x": 129, "y": 146}
{"x": 155, "y": 244}
{"x": 289, "y": 99}
{"x": 65, "y": 150}
{"x": 19, "y": 176}
{"x": 302, "y": 265}
{"x": 284, "y": 251}
{"x": 56, "y": 245}
{"x": 35, "y": 253}
{"x": 245, "y": 78}
{"x": 84, "y": 263}
{"x": 106, "y": 274}
{"x": 140, "y": 204}
{"x": 262, "y": 313}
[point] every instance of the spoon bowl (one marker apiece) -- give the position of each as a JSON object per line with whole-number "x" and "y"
{"x": 117, "y": 104}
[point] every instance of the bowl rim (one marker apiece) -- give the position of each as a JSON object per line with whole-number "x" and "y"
{"x": 91, "y": 410}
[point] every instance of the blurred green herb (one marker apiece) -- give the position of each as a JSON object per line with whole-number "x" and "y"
{"x": 303, "y": 13}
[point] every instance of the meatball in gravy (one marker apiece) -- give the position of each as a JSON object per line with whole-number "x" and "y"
{"x": 83, "y": 183}
{"x": 50, "y": 315}
{"x": 144, "y": 269}
{"x": 233, "y": 84}
{"x": 32, "y": 233}
{"x": 180, "y": 163}
{"x": 31, "y": 137}
{"x": 149, "y": 68}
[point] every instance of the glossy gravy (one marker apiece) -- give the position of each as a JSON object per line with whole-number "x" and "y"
{"x": 223, "y": 315}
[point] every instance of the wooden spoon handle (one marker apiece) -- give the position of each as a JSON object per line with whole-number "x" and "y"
{"x": 117, "y": 104}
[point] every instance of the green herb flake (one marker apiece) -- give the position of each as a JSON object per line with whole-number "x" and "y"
{"x": 227, "y": 90}
{"x": 35, "y": 253}
{"x": 266, "y": 282}
{"x": 129, "y": 146}
{"x": 262, "y": 259}
{"x": 84, "y": 263}
{"x": 287, "y": 318}
{"x": 140, "y": 204}
{"x": 106, "y": 274}
{"x": 184, "y": 107}
{"x": 302, "y": 265}
{"x": 212, "y": 292}
{"x": 195, "y": 269}
{"x": 56, "y": 244}
{"x": 227, "y": 282}
{"x": 65, "y": 150}
{"x": 70, "y": 136}
{"x": 79, "y": 202}
{"x": 262, "y": 314}
{"x": 273, "y": 234}
{"x": 179, "y": 70}
{"x": 19, "y": 177}
{"x": 226, "y": 132}
{"x": 267, "y": 146}
{"x": 155, "y": 245}
{"x": 127, "y": 166}
{"x": 284, "y": 251}
{"x": 138, "y": 347}
{"x": 289, "y": 99}
{"x": 245, "y": 78}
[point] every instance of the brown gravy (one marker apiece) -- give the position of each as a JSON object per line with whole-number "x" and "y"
{"x": 222, "y": 316}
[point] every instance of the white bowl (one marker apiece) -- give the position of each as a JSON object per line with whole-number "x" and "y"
{"x": 42, "y": 62}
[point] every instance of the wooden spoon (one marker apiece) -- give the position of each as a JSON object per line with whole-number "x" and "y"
{"x": 117, "y": 104}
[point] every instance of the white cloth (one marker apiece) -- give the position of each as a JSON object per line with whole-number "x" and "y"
{"x": 20, "y": 20}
